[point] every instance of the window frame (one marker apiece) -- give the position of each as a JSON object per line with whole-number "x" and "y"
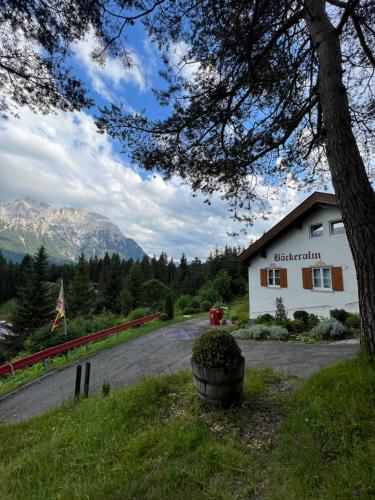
{"x": 317, "y": 235}
{"x": 331, "y": 232}
{"x": 321, "y": 272}
{"x": 273, "y": 271}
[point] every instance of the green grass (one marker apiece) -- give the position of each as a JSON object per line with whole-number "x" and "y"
{"x": 7, "y": 309}
{"x": 20, "y": 377}
{"x": 326, "y": 446}
{"x": 156, "y": 440}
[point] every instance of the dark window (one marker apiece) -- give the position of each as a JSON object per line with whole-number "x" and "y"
{"x": 337, "y": 227}
{"x": 316, "y": 230}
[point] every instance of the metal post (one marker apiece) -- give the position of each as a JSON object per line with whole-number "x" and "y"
{"x": 77, "y": 390}
{"x": 87, "y": 380}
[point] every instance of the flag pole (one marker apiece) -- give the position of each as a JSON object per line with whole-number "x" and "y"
{"x": 62, "y": 286}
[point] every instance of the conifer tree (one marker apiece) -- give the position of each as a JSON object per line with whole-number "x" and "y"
{"x": 3, "y": 273}
{"x": 171, "y": 272}
{"x": 146, "y": 267}
{"x": 135, "y": 282}
{"x": 183, "y": 274}
{"x": 168, "y": 307}
{"x": 104, "y": 271}
{"x": 34, "y": 302}
{"x": 113, "y": 285}
{"x": 81, "y": 295}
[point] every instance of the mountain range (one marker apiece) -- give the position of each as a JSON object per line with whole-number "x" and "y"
{"x": 26, "y": 224}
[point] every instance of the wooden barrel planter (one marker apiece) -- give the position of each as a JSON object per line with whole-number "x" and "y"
{"x": 221, "y": 388}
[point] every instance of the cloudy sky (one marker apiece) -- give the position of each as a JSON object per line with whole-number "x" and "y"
{"x": 60, "y": 159}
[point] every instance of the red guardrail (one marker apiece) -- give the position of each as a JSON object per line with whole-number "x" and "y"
{"x": 66, "y": 346}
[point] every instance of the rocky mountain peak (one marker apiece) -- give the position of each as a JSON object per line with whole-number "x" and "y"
{"x": 25, "y": 224}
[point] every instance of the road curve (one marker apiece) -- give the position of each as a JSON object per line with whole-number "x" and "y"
{"x": 164, "y": 350}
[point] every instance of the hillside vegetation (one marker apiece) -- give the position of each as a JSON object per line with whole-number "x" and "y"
{"x": 156, "y": 440}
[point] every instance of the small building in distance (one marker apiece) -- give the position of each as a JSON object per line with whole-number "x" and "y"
{"x": 306, "y": 260}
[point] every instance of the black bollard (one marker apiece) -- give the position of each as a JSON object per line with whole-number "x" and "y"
{"x": 87, "y": 380}
{"x": 77, "y": 390}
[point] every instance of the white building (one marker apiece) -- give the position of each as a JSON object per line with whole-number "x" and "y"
{"x": 306, "y": 260}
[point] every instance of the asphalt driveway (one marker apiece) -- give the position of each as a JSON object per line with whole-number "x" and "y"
{"x": 162, "y": 351}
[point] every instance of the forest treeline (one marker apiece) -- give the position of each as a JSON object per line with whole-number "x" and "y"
{"x": 111, "y": 286}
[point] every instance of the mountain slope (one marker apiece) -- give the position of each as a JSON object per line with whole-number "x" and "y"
{"x": 25, "y": 225}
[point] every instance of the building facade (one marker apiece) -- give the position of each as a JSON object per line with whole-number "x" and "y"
{"x": 306, "y": 260}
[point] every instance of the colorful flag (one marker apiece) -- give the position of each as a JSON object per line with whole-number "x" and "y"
{"x": 60, "y": 308}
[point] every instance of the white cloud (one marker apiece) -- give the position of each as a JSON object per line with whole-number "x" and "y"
{"x": 62, "y": 160}
{"x": 109, "y": 79}
{"x": 179, "y": 57}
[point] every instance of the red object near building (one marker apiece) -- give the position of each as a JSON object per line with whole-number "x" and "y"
{"x": 216, "y": 313}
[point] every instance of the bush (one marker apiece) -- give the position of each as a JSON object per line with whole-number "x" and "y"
{"x": 139, "y": 313}
{"x": 241, "y": 323}
{"x": 278, "y": 333}
{"x": 205, "y": 306}
{"x": 153, "y": 291}
{"x": 77, "y": 327}
{"x": 255, "y": 332}
{"x": 312, "y": 321}
{"x": 164, "y": 317}
{"x": 168, "y": 307}
{"x": 183, "y": 302}
{"x": 209, "y": 293}
{"x": 280, "y": 314}
{"x": 190, "y": 310}
{"x": 339, "y": 314}
{"x": 240, "y": 313}
{"x": 195, "y": 303}
{"x": 297, "y": 326}
{"x": 353, "y": 321}
{"x": 258, "y": 332}
{"x": 301, "y": 315}
{"x": 329, "y": 328}
{"x": 264, "y": 319}
{"x": 216, "y": 349}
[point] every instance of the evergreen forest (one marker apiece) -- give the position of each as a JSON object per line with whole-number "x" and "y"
{"x": 101, "y": 292}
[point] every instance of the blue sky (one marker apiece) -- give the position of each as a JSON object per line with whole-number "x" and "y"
{"x": 60, "y": 159}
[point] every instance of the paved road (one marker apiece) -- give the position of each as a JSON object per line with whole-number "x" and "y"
{"x": 160, "y": 352}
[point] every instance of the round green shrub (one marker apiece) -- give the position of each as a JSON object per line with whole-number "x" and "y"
{"x": 205, "y": 305}
{"x": 301, "y": 315}
{"x": 329, "y": 328}
{"x": 164, "y": 317}
{"x": 339, "y": 314}
{"x": 264, "y": 318}
{"x": 216, "y": 349}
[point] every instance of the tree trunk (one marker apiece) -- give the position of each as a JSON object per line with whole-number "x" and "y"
{"x": 355, "y": 196}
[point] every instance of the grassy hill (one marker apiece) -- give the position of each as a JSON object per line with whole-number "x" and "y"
{"x": 156, "y": 440}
